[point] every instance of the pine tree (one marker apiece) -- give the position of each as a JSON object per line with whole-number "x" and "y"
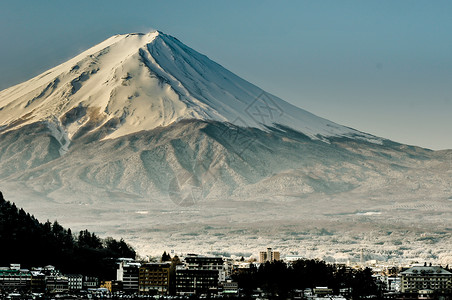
{"x": 52, "y": 244}
{"x": 165, "y": 257}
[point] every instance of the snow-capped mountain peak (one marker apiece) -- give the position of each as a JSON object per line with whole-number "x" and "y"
{"x": 117, "y": 105}
{"x": 134, "y": 82}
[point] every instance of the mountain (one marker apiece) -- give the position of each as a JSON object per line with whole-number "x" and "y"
{"x": 143, "y": 135}
{"x": 136, "y": 82}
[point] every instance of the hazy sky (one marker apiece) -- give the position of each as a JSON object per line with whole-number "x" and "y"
{"x": 383, "y": 67}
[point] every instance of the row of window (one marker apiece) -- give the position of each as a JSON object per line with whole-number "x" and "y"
{"x": 428, "y": 279}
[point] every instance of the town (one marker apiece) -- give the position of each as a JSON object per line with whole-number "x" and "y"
{"x": 266, "y": 276}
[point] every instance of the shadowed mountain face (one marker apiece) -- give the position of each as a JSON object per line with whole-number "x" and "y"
{"x": 141, "y": 136}
{"x": 221, "y": 160}
{"x": 187, "y": 184}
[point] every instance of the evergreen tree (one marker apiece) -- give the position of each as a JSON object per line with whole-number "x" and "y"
{"x": 278, "y": 279}
{"x": 175, "y": 261}
{"x": 165, "y": 257}
{"x": 32, "y": 243}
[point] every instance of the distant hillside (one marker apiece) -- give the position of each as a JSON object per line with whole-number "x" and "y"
{"x": 26, "y": 241}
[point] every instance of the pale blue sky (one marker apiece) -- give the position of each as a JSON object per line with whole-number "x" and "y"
{"x": 383, "y": 67}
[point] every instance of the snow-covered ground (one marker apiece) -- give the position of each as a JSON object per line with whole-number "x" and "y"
{"x": 300, "y": 196}
{"x": 144, "y": 138}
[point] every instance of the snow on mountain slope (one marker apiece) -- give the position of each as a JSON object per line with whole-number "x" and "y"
{"x": 144, "y": 123}
{"x": 135, "y": 82}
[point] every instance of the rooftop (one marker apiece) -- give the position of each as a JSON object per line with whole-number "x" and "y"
{"x": 437, "y": 270}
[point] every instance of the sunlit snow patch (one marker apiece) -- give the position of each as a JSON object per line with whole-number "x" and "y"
{"x": 368, "y": 213}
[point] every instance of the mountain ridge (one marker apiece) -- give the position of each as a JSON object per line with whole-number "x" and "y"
{"x": 138, "y": 82}
{"x": 154, "y": 141}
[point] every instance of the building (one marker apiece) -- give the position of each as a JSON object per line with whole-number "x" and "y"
{"x": 230, "y": 288}
{"x": 128, "y": 272}
{"x": 421, "y": 278}
{"x": 196, "y": 282}
{"x": 198, "y": 262}
{"x": 56, "y": 284}
{"x": 154, "y": 278}
{"x": 200, "y": 275}
{"x": 393, "y": 283}
{"x": 228, "y": 266}
{"x": 50, "y": 270}
{"x": 268, "y": 255}
{"x": 90, "y": 282}
{"x": 293, "y": 258}
{"x": 14, "y": 278}
{"x": 116, "y": 286}
{"x": 426, "y": 294}
{"x": 322, "y": 291}
{"x": 75, "y": 282}
{"x": 38, "y": 282}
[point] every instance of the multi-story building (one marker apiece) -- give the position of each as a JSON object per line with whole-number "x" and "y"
{"x": 198, "y": 262}
{"x": 199, "y": 275}
{"x": 228, "y": 266}
{"x": 116, "y": 286}
{"x": 14, "y": 267}
{"x": 56, "y": 284}
{"x": 75, "y": 282}
{"x": 38, "y": 282}
{"x": 50, "y": 270}
{"x": 154, "y": 278}
{"x": 196, "y": 282}
{"x": 420, "y": 278}
{"x": 268, "y": 255}
{"x": 14, "y": 278}
{"x": 393, "y": 283}
{"x": 128, "y": 272}
{"x": 90, "y": 282}
{"x": 230, "y": 288}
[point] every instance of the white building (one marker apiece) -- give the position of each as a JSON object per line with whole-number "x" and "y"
{"x": 393, "y": 283}
{"x": 75, "y": 282}
{"x": 128, "y": 272}
{"x": 293, "y": 258}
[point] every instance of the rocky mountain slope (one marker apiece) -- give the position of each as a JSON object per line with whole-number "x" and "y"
{"x": 142, "y": 133}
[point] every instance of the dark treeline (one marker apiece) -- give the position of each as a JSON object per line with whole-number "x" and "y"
{"x": 24, "y": 240}
{"x": 279, "y": 278}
